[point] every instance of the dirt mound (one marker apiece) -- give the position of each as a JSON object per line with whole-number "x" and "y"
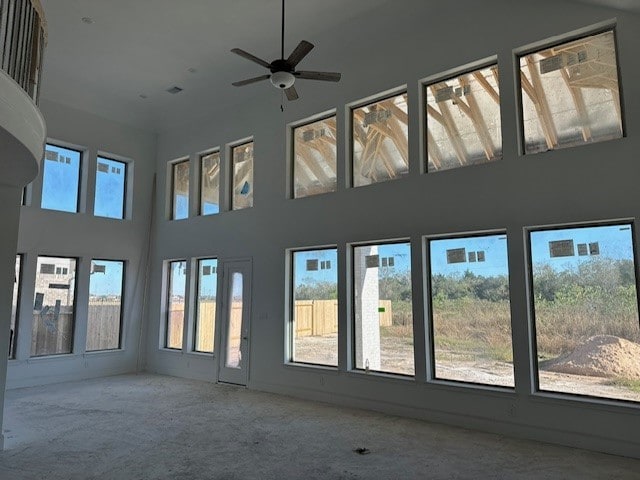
{"x": 600, "y": 356}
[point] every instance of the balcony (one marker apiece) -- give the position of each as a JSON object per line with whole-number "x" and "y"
{"x": 23, "y": 36}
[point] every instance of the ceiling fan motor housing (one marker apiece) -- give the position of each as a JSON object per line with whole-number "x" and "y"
{"x": 282, "y": 80}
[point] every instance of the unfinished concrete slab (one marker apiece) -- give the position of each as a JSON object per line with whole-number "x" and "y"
{"x": 156, "y": 427}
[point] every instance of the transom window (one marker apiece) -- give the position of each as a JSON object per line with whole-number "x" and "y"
{"x": 314, "y": 150}
{"x": 210, "y": 183}
{"x": 380, "y": 141}
{"x": 242, "y": 188}
{"x": 571, "y": 94}
{"x": 463, "y": 120}
{"x": 111, "y": 184}
{"x": 180, "y": 190}
{"x": 61, "y": 179}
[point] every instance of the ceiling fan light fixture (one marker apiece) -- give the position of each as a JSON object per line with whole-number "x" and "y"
{"x": 282, "y": 80}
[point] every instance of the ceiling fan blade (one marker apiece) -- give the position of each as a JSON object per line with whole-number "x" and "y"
{"x": 301, "y": 51}
{"x": 323, "y": 76}
{"x": 291, "y": 93}
{"x": 248, "y": 81}
{"x": 253, "y": 58}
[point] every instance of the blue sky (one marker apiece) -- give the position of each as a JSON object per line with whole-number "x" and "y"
{"x": 109, "y": 282}
{"x": 493, "y": 246}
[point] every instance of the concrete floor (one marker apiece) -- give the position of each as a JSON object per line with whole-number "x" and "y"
{"x": 155, "y": 427}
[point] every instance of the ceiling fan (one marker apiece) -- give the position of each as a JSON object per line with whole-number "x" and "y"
{"x": 283, "y": 71}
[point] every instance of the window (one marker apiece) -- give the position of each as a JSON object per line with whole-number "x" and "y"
{"x": 314, "y": 308}
{"x": 314, "y": 150}
{"x": 380, "y": 141}
{"x": 470, "y": 310}
{"x": 571, "y": 94}
{"x": 180, "y": 190}
{"x": 383, "y": 320}
{"x": 175, "y": 304}
{"x": 463, "y": 120}
{"x": 54, "y": 308}
{"x": 242, "y": 196}
{"x": 111, "y": 185}
{"x": 61, "y": 179}
{"x": 13, "y": 333}
{"x": 587, "y": 330}
{"x": 206, "y": 308}
{"x": 210, "y": 183}
{"x": 104, "y": 321}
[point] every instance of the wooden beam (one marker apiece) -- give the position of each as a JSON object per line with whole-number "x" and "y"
{"x": 305, "y": 154}
{"x": 487, "y": 86}
{"x": 434, "y": 151}
{"x": 474, "y": 113}
{"x": 397, "y": 136}
{"x": 540, "y": 101}
{"x": 450, "y": 127}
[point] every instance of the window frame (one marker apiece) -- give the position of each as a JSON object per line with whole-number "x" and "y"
{"x": 536, "y": 391}
{"x": 291, "y": 146}
{"x": 350, "y": 141}
{"x": 167, "y": 304}
{"x": 72, "y": 349}
{"x": 82, "y": 152}
{"x": 352, "y": 310}
{"x": 201, "y": 157}
{"x": 125, "y": 196}
{"x": 518, "y": 53}
{"x": 122, "y": 303}
{"x": 13, "y": 342}
{"x": 172, "y": 196}
{"x": 196, "y": 317}
{"x": 290, "y": 309}
{"x": 428, "y": 306}
{"x": 232, "y": 163}
{"x": 448, "y": 75}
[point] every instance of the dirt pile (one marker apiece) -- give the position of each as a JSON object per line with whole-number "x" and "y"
{"x": 600, "y": 356}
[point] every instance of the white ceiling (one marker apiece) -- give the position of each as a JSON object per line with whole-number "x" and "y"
{"x": 143, "y": 47}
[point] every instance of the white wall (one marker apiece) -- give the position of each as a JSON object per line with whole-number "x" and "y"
{"x": 45, "y": 232}
{"x": 397, "y": 44}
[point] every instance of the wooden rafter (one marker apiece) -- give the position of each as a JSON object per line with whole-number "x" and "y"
{"x": 536, "y": 92}
{"x": 474, "y": 113}
{"x": 495, "y": 96}
{"x": 445, "y": 118}
{"x": 305, "y": 154}
{"x": 434, "y": 151}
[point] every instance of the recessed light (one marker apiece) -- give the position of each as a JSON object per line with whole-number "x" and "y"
{"x": 87, "y": 20}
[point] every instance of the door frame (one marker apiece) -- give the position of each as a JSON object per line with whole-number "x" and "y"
{"x": 226, "y": 267}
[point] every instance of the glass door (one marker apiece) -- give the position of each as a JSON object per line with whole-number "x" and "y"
{"x": 236, "y": 315}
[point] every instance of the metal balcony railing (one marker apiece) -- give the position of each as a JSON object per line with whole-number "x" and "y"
{"x": 23, "y": 36}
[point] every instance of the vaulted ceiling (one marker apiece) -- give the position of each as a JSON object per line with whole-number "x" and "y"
{"x": 125, "y": 50}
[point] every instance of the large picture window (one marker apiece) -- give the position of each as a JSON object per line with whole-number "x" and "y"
{"x": 61, "y": 179}
{"x": 111, "y": 183}
{"x": 587, "y": 330}
{"x": 571, "y": 94}
{"x": 382, "y": 304}
{"x": 470, "y": 311}
{"x": 176, "y": 286}
{"x": 207, "y": 305}
{"x": 210, "y": 183}
{"x": 314, "y": 150}
{"x": 54, "y": 306}
{"x": 463, "y": 120}
{"x": 180, "y": 190}
{"x": 314, "y": 308}
{"x": 242, "y": 187}
{"x": 104, "y": 321}
{"x": 380, "y": 141}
